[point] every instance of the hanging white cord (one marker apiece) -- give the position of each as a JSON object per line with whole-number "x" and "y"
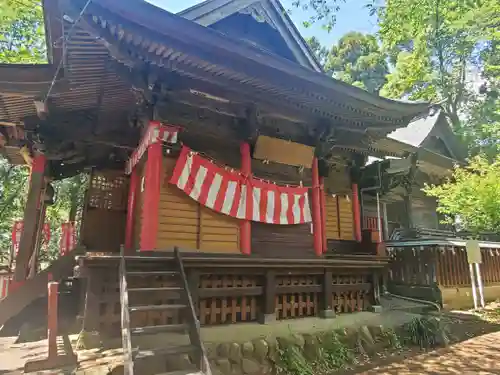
{"x": 65, "y": 39}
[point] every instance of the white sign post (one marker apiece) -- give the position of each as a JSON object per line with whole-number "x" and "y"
{"x": 474, "y": 260}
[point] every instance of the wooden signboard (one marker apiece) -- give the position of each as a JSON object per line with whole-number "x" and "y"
{"x": 473, "y": 251}
{"x": 283, "y": 152}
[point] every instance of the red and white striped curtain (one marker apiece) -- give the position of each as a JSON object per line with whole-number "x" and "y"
{"x": 231, "y": 193}
{"x": 156, "y": 132}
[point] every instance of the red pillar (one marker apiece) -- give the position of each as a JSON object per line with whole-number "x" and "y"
{"x": 356, "y": 212}
{"x": 246, "y": 226}
{"x": 316, "y": 209}
{"x": 152, "y": 184}
{"x": 132, "y": 194}
{"x": 52, "y": 319}
{"x": 323, "y": 213}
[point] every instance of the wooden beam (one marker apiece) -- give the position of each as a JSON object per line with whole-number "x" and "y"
{"x": 268, "y": 313}
{"x": 326, "y": 308}
{"x": 31, "y": 218}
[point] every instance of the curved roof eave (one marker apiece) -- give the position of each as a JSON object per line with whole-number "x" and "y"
{"x": 161, "y": 22}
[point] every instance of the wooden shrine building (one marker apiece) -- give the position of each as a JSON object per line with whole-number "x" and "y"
{"x": 214, "y": 131}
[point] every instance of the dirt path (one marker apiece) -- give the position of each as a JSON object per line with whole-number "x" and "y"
{"x": 479, "y": 355}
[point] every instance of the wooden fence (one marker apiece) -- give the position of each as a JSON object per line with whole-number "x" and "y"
{"x": 233, "y": 290}
{"x": 440, "y": 265}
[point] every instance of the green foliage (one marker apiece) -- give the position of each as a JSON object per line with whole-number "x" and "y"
{"x": 335, "y": 354}
{"x": 22, "y": 35}
{"x": 323, "y": 11}
{"x": 471, "y": 197}
{"x": 425, "y": 332}
{"x": 442, "y": 52}
{"x": 439, "y": 51}
{"x": 13, "y": 192}
{"x": 392, "y": 339}
{"x": 292, "y": 362}
{"x": 319, "y": 51}
{"x": 13, "y": 185}
{"x": 357, "y": 59}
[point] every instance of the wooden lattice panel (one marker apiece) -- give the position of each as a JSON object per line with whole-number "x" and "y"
{"x": 351, "y": 293}
{"x": 108, "y": 190}
{"x": 302, "y": 300}
{"x": 107, "y": 295}
{"x": 228, "y": 303}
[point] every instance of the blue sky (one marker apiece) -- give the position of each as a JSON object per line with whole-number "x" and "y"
{"x": 352, "y": 17}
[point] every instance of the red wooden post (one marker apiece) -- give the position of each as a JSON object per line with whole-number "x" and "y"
{"x": 152, "y": 185}
{"x": 52, "y": 318}
{"x": 246, "y": 226}
{"x": 356, "y": 212}
{"x": 132, "y": 194}
{"x": 323, "y": 213}
{"x": 316, "y": 209}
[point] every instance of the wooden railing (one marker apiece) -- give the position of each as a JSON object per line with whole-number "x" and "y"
{"x": 194, "y": 326}
{"x": 230, "y": 290}
{"x": 128, "y": 366}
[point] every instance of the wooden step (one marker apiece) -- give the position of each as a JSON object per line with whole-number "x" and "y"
{"x": 149, "y": 330}
{"x": 171, "y": 350}
{"x": 156, "y": 307}
{"x": 156, "y": 289}
{"x": 152, "y": 273}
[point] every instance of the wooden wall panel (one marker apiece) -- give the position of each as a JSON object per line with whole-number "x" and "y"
{"x": 185, "y": 223}
{"x": 178, "y": 215}
{"x": 345, "y": 218}
{"x": 286, "y": 241}
{"x": 332, "y": 218}
{"x": 218, "y": 233}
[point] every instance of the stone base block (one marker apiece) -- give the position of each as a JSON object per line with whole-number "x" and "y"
{"x": 327, "y": 314}
{"x": 376, "y": 308}
{"x": 267, "y": 318}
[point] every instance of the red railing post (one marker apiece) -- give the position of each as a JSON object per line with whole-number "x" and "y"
{"x": 152, "y": 187}
{"x": 52, "y": 318}
{"x": 246, "y": 226}
{"x": 323, "y": 213}
{"x": 316, "y": 209}
{"x": 132, "y": 194}
{"x": 356, "y": 212}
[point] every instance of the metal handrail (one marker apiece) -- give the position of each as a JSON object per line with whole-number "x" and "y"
{"x": 194, "y": 335}
{"x": 128, "y": 365}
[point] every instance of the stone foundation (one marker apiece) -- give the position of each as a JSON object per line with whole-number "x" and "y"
{"x": 460, "y": 298}
{"x": 262, "y": 356}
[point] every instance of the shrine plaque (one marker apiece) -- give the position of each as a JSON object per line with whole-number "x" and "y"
{"x": 283, "y": 152}
{"x": 473, "y": 251}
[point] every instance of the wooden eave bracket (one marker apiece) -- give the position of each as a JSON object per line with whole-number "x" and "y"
{"x": 42, "y": 109}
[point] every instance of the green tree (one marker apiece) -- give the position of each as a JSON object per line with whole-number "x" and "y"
{"x": 13, "y": 184}
{"x": 319, "y": 51}
{"x": 22, "y": 37}
{"x": 470, "y": 198}
{"x": 357, "y": 59}
{"x": 441, "y": 50}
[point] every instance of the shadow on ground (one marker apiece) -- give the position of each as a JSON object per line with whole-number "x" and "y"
{"x": 474, "y": 349}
